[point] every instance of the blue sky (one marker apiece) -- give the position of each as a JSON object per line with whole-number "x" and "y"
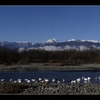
{"x": 42, "y": 22}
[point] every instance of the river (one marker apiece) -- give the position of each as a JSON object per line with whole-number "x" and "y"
{"x": 67, "y": 76}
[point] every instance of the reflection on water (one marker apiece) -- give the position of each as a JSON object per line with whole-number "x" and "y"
{"x": 53, "y": 76}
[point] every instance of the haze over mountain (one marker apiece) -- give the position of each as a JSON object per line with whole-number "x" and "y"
{"x": 53, "y": 45}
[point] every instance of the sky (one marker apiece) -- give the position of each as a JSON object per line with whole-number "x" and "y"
{"x": 38, "y": 23}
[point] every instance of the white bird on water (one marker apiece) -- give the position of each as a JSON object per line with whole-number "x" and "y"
{"x": 33, "y": 80}
{"x": 19, "y": 80}
{"x": 86, "y": 79}
{"x": 63, "y": 80}
{"x": 73, "y": 81}
{"x": 27, "y": 80}
{"x": 40, "y": 79}
{"x": 46, "y": 80}
{"x": 2, "y": 80}
{"x": 53, "y": 80}
{"x": 78, "y": 80}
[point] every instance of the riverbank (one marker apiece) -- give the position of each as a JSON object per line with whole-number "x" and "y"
{"x": 49, "y": 89}
{"x": 50, "y": 67}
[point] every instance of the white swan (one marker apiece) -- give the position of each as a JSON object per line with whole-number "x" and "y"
{"x": 73, "y": 81}
{"x": 53, "y": 80}
{"x": 78, "y": 80}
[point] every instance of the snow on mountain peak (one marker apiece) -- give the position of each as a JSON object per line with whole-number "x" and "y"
{"x": 53, "y": 40}
{"x": 71, "y": 40}
{"x": 74, "y": 40}
{"x": 94, "y": 41}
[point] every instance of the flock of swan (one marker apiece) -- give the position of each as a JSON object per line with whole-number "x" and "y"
{"x": 53, "y": 80}
{"x": 32, "y": 80}
{"x": 84, "y": 79}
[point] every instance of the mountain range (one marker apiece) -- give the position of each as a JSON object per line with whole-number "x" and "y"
{"x": 53, "y": 45}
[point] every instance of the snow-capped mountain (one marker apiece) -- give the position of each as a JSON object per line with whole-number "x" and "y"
{"x": 13, "y": 45}
{"x": 52, "y": 41}
{"x": 53, "y": 45}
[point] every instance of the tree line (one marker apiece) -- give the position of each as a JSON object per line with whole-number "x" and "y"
{"x": 66, "y": 57}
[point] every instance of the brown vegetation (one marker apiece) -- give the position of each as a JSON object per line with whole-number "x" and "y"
{"x": 12, "y": 88}
{"x": 68, "y": 57}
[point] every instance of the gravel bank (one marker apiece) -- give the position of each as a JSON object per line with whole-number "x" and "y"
{"x": 62, "y": 89}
